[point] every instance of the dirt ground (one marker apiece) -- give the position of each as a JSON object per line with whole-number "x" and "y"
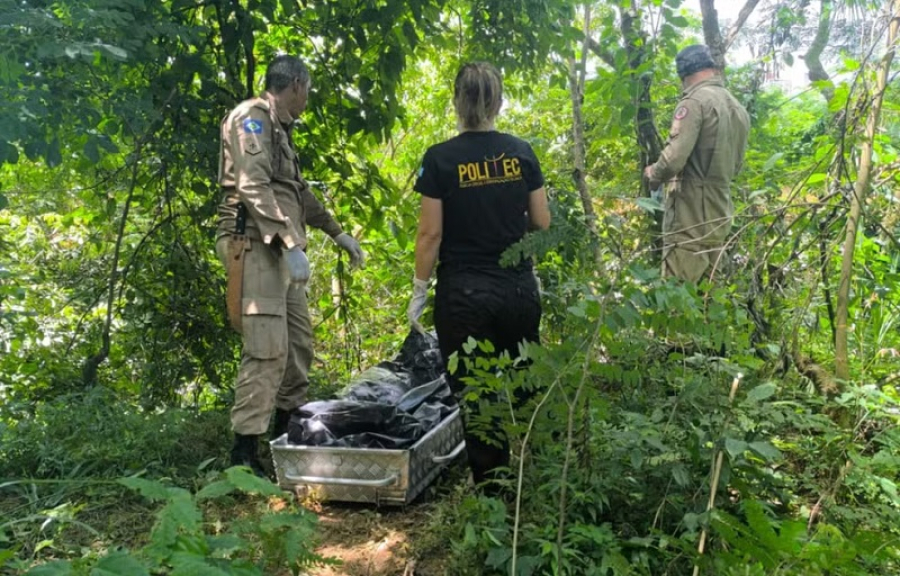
{"x": 386, "y": 540}
{"x": 372, "y": 542}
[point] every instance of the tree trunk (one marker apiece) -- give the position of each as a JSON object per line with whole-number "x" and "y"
{"x": 577, "y": 74}
{"x": 712, "y": 33}
{"x": 815, "y": 70}
{"x": 860, "y": 189}
{"x": 649, "y": 140}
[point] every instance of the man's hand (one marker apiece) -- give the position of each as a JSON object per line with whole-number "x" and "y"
{"x": 648, "y": 174}
{"x": 417, "y": 304}
{"x": 298, "y": 265}
{"x": 348, "y": 243}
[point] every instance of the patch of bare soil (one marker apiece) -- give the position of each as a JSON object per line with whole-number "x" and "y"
{"x": 387, "y": 540}
{"x": 369, "y": 541}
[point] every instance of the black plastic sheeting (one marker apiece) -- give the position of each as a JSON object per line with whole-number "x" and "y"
{"x": 390, "y": 405}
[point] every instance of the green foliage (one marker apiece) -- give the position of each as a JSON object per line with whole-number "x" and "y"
{"x": 618, "y": 455}
{"x": 108, "y": 159}
{"x": 180, "y": 542}
{"x": 99, "y": 434}
{"x": 764, "y": 545}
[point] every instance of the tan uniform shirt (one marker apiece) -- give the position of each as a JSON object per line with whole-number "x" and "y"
{"x": 259, "y": 167}
{"x": 705, "y": 150}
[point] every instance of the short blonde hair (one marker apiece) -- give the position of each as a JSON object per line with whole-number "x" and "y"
{"x": 477, "y": 94}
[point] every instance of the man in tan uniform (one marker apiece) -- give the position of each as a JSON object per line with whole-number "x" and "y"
{"x": 261, "y": 240}
{"x": 705, "y": 150}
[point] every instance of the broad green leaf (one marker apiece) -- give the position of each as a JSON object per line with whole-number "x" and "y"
{"x": 486, "y": 346}
{"x": 179, "y": 515}
{"x": 526, "y": 565}
{"x": 225, "y": 542}
{"x": 681, "y": 475}
{"x": 119, "y": 564}
{"x": 851, "y": 65}
{"x": 890, "y": 488}
{"x": 215, "y": 490}
{"x": 246, "y": 481}
{"x": 498, "y": 557}
{"x": 735, "y": 447}
{"x": 773, "y": 159}
{"x": 195, "y": 544}
{"x": 453, "y": 363}
{"x": 816, "y": 178}
{"x": 114, "y": 51}
{"x": 761, "y": 392}
{"x": 185, "y": 564}
{"x": 6, "y": 554}
{"x": 691, "y": 521}
{"x": 56, "y": 568}
{"x": 765, "y": 450}
{"x": 649, "y": 204}
{"x": 614, "y": 563}
{"x": 150, "y": 489}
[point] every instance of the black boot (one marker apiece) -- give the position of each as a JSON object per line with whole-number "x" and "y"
{"x": 489, "y": 465}
{"x": 245, "y": 453}
{"x": 281, "y": 421}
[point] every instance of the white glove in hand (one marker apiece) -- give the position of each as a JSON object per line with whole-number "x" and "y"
{"x": 298, "y": 265}
{"x": 417, "y": 304}
{"x": 348, "y": 243}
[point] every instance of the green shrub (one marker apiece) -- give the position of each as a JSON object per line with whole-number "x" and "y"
{"x": 102, "y": 435}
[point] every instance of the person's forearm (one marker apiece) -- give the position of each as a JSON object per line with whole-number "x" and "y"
{"x": 316, "y": 214}
{"x": 426, "y": 254}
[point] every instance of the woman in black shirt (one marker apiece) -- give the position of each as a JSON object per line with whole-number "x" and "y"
{"x": 481, "y": 192}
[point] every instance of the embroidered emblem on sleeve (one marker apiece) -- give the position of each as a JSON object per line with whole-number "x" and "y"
{"x": 681, "y": 113}
{"x": 252, "y": 126}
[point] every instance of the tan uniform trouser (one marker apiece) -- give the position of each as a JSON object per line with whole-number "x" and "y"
{"x": 277, "y": 340}
{"x": 695, "y": 226}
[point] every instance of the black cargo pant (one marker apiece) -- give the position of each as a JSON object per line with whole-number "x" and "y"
{"x": 503, "y": 308}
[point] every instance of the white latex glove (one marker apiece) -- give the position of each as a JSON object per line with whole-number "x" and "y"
{"x": 297, "y": 264}
{"x": 349, "y": 243}
{"x": 417, "y": 304}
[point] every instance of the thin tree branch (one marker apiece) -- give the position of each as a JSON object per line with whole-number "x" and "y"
{"x": 739, "y": 23}
{"x": 598, "y": 51}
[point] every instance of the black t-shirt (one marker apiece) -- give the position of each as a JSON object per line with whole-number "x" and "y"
{"x": 483, "y": 180}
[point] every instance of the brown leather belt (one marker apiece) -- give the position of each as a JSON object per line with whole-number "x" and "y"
{"x": 234, "y": 291}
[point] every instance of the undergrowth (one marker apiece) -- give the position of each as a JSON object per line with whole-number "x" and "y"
{"x": 618, "y": 449}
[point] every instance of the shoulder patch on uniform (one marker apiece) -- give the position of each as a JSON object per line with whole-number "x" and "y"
{"x": 681, "y": 113}
{"x": 252, "y": 126}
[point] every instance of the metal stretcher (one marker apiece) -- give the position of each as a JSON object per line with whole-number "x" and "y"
{"x": 371, "y": 475}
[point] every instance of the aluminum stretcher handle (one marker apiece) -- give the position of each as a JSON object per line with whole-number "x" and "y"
{"x": 448, "y": 457}
{"x": 342, "y": 481}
